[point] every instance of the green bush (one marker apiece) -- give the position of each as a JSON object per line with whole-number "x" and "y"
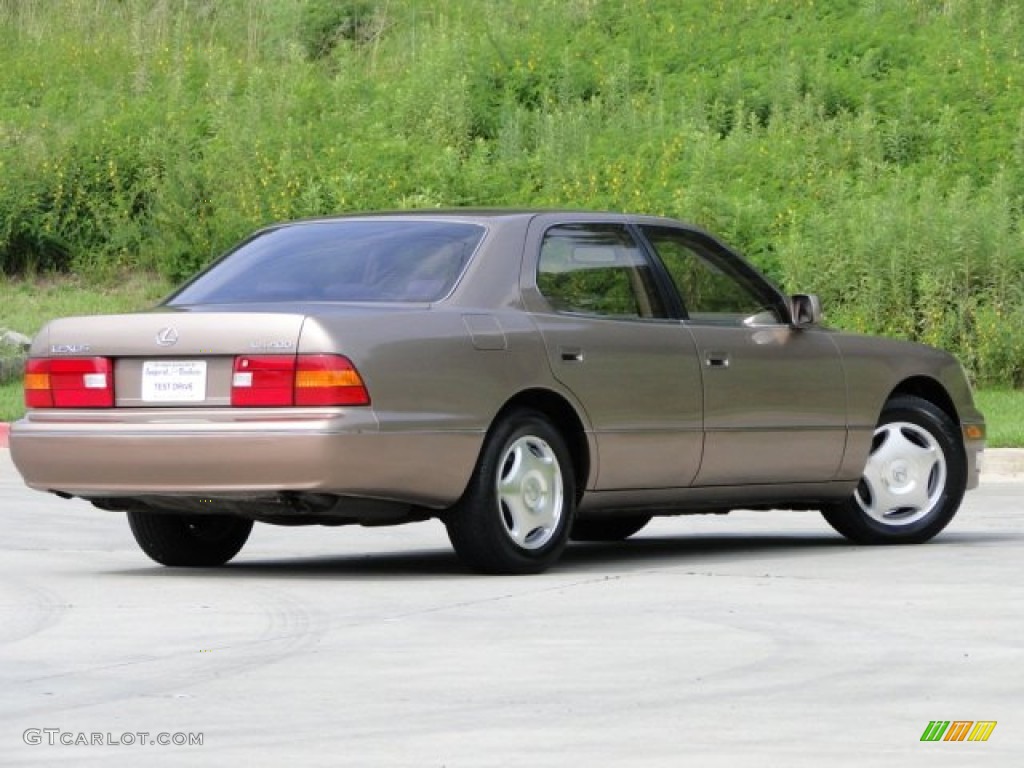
{"x": 326, "y": 23}
{"x": 872, "y": 152}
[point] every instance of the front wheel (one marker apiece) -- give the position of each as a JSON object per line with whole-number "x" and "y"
{"x": 516, "y": 513}
{"x": 914, "y": 480}
{"x": 196, "y": 541}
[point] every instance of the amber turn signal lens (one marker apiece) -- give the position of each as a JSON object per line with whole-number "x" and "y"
{"x": 974, "y": 432}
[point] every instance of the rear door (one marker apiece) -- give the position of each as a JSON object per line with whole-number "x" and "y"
{"x": 774, "y": 395}
{"x": 611, "y": 342}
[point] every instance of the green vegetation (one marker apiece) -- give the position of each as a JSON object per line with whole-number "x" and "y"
{"x": 12, "y": 401}
{"x": 28, "y": 304}
{"x": 869, "y": 150}
{"x": 1004, "y": 417}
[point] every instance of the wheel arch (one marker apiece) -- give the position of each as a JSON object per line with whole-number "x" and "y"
{"x": 928, "y": 389}
{"x": 565, "y": 419}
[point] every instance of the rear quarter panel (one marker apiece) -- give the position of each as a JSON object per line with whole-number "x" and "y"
{"x": 450, "y": 365}
{"x": 438, "y": 369}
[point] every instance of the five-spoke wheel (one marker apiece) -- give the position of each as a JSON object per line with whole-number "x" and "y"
{"x": 517, "y": 511}
{"x": 913, "y": 481}
{"x": 905, "y": 475}
{"x": 530, "y": 492}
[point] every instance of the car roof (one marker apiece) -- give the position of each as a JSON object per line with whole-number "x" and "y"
{"x": 483, "y": 215}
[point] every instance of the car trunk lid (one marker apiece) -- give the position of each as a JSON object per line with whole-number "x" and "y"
{"x": 172, "y": 359}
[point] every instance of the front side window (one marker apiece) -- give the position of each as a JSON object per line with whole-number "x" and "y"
{"x": 597, "y": 269}
{"x": 713, "y": 290}
{"x": 342, "y": 260}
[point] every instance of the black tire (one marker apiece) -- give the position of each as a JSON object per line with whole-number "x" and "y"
{"x": 615, "y": 528}
{"x": 913, "y": 482}
{"x": 524, "y": 528}
{"x": 196, "y": 541}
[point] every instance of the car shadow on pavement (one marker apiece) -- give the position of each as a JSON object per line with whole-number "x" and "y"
{"x": 719, "y": 547}
{"x": 363, "y": 565}
{"x": 698, "y": 547}
{"x": 639, "y": 553}
{"x": 635, "y": 554}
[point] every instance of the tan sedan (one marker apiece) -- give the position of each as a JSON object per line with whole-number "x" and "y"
{"x": 524, "y": 376}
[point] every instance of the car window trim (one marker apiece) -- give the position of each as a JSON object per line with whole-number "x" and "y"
{"x": 671, "y": 297}
{"x": 169, "y": 300}
{"x": 735, "y": 266}
{"x": 669, "y": 302}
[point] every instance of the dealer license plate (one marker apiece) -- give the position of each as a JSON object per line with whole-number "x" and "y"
{"x": 173, "y": 381}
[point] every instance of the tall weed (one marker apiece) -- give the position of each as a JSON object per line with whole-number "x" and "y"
{"x": 870, "y": 151}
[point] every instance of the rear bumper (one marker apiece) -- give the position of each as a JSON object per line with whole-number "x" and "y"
{"x": 335, "y": 451}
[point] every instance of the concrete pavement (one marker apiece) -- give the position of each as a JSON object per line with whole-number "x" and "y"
{"x": 1003, "y": 464}
{"x": 758, "y": 639}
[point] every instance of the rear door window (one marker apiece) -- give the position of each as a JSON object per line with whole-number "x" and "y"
{"x": 597, "y": 269}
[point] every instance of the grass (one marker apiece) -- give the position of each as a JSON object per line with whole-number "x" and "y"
{"x": 26, "y": 304}
{"x": 12, "y": 403}
{"x": 1004, "y": 416}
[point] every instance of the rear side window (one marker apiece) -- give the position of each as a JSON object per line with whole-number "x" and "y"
{"x": 597, "y": 269}
{"x": 351, "y": 261}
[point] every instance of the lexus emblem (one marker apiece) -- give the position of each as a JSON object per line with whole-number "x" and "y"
{"x": 167, "y": 337}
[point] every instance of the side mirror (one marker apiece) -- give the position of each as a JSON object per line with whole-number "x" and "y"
{"x": 805, "y": 310}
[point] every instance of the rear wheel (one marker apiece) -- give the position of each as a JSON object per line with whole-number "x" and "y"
{"x": 914, "y": 479}
{"x": 189, "y": 540}
{"x": 517, "y": 511}
{"x": 608, "y": 528}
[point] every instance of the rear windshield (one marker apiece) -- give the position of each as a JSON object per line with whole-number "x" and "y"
{"x": 389, "y": 261}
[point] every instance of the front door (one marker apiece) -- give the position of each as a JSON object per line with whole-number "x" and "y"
{"x": 774, "y": 395}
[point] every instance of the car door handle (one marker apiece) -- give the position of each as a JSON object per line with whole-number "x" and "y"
{"x": 716, "y": 359}
{"x": 571, "y": 354}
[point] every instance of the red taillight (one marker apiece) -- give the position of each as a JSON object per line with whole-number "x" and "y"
{"x": 283, "y": 380}
{"x": 73, "y": 382}
{"x": 264, "y": 380}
